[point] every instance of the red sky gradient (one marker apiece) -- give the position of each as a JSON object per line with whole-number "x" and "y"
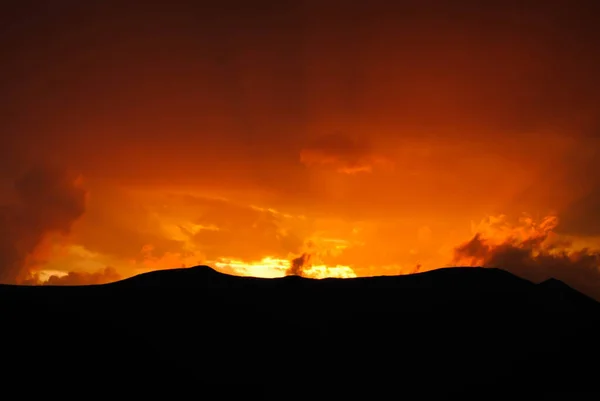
{"x": 374, "y": 137}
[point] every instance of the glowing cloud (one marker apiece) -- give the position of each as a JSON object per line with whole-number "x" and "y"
{"x": 533, "y": 251}
{"x": 270, "y": 267}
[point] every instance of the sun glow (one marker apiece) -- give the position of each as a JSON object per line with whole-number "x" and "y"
{"x": 270, "y": 267}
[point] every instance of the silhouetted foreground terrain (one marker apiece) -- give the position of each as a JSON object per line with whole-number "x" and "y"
{"x": 469, "y": 331}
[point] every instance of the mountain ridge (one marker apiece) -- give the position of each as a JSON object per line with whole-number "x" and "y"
{"x": 421, "y": 333}
{"x": 207, "y": 273}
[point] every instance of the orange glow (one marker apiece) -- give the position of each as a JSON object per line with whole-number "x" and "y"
{"x": 498, "y": 230}
{"x": 270, "y": 267}
{"x": 337, "y": 141}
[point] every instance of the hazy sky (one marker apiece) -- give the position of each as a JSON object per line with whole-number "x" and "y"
{"x": 372, "y": 135}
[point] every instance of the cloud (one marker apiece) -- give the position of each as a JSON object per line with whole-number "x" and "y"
{"x": 103, "y": 276}
{"x": 536, "y": 253}
{"x": 47, "y": 199}
{"x": 119, "y": 224}
{"x": 343, "y": 153}
{"x": 224, "y": 229}
{"x": 567, "y": 187}
{"x": 168, "y": 260}
{"x": 136, "y": 231}
{"x": 298, "y": 264}
{"x": 310, "y": 265}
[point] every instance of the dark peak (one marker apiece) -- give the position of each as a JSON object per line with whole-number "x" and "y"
{"x": 203, "y": 269}
{"x": 469, "y": 278}
{"x": 564, "y": 291}
{"x": 460, "y": 270}
{"x": 479, "y": 273}
{"x": 557, "y": 285}
{"x": 180, "y": 276}
{"x": 554, "y": 283}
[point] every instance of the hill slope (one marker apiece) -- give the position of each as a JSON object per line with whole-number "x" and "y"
{"x": 473, "y": 331}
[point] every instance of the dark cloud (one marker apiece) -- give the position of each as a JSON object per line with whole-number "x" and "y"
{"x": 536, "y": 258}
{"x": 103, "y": 276}
{"x": 47, "y": 199}
{"x": 343, "y": 153}
{"x": 297, "y": 265}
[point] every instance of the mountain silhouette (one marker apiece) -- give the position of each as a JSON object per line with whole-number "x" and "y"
{"x": 561, "y": 290}
{"x": 453, "y": 332}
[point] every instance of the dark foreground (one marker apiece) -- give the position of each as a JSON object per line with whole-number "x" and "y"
{"x": 480, "y": 333}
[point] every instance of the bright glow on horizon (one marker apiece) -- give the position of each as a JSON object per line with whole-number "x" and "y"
{"x": 270, "y": 267}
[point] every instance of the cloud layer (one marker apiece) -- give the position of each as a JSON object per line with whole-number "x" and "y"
{"x": 106, "y": 275}
{"x": 535, "y": 253}
{"x": 343, "y": 153}
{"x": 47, "y": 200}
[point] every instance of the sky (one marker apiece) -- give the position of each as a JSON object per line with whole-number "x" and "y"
{"x": 321, "y": 138}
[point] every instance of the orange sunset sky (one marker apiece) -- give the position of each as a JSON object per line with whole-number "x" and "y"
{"x": 377, "y": 137}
